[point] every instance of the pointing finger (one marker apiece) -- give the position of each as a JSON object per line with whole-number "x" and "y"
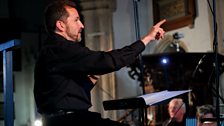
{"x": 160, "y": 23}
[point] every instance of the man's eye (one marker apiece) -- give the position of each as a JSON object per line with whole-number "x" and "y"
{"x": 77, "y": 19}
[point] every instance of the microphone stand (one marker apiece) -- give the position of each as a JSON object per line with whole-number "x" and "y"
{"x": 143, "y": 111}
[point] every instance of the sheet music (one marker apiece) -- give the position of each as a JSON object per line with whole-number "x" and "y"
{"x": 156, "y": 97}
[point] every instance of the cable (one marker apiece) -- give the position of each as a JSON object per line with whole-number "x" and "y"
{"x": 198, "y": 64}
{"x": 215, "y": 24}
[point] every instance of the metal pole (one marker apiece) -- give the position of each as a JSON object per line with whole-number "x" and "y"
{"x": 216, "y": 63}
{"x": 143, "y": 111}
{"x": 6, "y": 48}
{"x": 8, "y": 88}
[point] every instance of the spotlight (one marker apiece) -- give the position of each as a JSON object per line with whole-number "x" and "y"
{"x": 164, "y": 60}
{"x": 38, "y": 122}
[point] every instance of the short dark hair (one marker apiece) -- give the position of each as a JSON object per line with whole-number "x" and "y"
{"x": 205, "y": 109}
{"x": 55, "y": 11}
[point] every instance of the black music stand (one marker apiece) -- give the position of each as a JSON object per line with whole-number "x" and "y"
{"x": 143, "y": 101}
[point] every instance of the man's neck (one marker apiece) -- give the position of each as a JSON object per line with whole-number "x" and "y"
{"x": 178, "y": 119}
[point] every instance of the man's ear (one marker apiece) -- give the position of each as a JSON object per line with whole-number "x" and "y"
{"x": 60, "y": 25}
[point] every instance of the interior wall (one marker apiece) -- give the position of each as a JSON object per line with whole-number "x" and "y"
{"x": 98, "y": 36}
{"x": 125, "y": 34}
{"x": 198, "y": 38}
{"x": 220, "y": 21}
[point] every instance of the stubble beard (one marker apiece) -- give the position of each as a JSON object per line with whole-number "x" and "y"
{"x": 79, "y": 39}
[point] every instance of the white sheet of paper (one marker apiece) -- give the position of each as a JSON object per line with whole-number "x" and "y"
{"x": 156, "y": 97}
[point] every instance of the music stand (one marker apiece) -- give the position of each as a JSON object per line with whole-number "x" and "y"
{"x": 142, "y": 101}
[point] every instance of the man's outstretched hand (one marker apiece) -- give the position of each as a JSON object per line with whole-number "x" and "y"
{"x": 155, "y": 33}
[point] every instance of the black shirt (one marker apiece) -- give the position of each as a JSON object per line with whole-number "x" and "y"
{"x": 62, "y": 68}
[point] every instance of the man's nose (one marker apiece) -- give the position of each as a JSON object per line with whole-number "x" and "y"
{"x": 81, "y": 25}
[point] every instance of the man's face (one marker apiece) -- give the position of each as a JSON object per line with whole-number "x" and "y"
{"x": 73, "y": 25}
{"x": 174, "y": 110}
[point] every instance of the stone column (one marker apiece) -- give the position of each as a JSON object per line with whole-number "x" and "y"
{"x": 97, "y": 15}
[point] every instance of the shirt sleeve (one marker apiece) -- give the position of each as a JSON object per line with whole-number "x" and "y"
{"x": 77, "y": 59}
